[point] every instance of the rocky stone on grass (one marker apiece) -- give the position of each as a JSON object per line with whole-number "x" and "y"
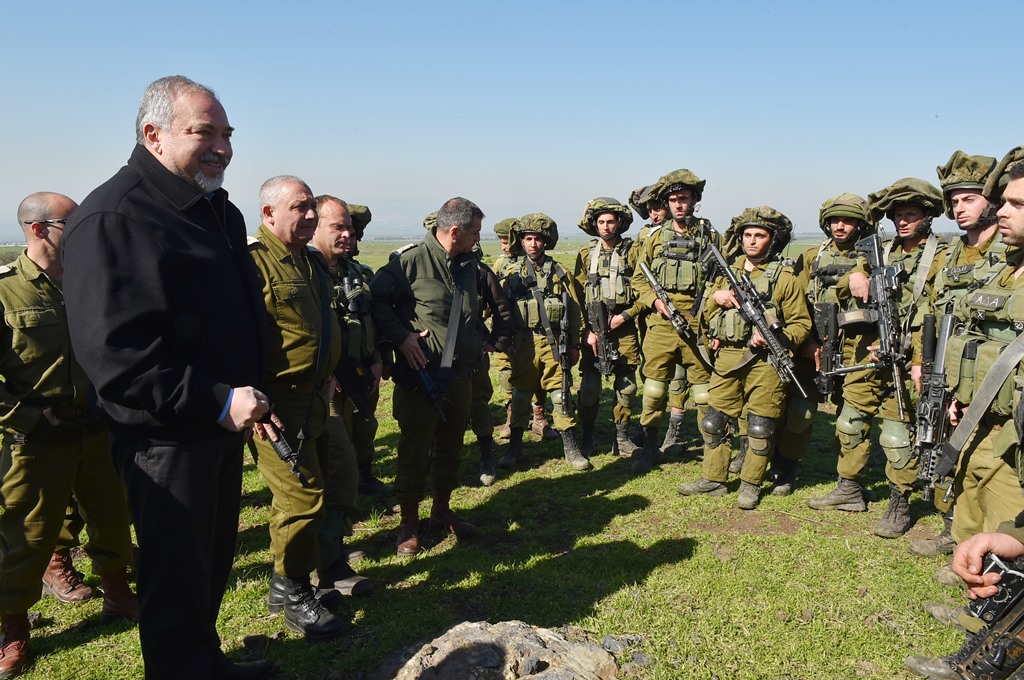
{"x": 509, "y": 650}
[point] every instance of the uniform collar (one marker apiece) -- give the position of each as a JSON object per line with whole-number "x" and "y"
{"x": 180, "y": 193}
{"x": 276, "y": 246}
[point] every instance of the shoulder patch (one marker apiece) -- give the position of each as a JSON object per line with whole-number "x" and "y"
{"x": 6, "y": 269}
{"x": 404, "y": 249}
{"x": 252, "y": 241}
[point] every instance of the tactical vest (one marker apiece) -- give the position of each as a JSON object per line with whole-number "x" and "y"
{"x": 957, "y": 276}
{"x": 911, "y": 313}
{"x": 610, "y": 270}
{"x": 676, "y": 262}
{"x": 552, "y": 281}
{"x": 730, "y": 326}
{"x": 351, "y": 297}
{"x": 828, "y": 267}
{"x": 995, "y": 317}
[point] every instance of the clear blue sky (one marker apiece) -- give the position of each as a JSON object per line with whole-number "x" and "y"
{"x": 521, "y": 106}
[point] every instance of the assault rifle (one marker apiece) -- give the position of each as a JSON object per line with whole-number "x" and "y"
{"x": 932, "y": 423}
{"x": 597, "y": 315}
{"x": 282, "y": 448}
{"x": 678, "y": 319}
{"x": 356, "y": 384}
{"x": 753, "y": 309}
{"x": 826, "y": 323}
{"x": 418, "y": 379}
{"x": 563, "y": 354}
{"x": 884, "y": 296}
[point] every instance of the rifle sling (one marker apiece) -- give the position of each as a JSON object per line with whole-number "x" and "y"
{"x": 451, "y": 333}
{"x": 541, "y": 311}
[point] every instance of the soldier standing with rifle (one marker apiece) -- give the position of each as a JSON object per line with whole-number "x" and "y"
{"x": 755, "y": 314}
{"x": 604, "y": 270}
{"x": 672, "y": 253}
{"x": 547, "y": 313}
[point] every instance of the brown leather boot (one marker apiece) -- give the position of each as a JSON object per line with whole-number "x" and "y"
{"x": 540, "y": 425}
{"x": 408, "y": 530}
{"x": 62, "y": 581}
{"x": 505, "y": 431}
{"x": 14, "y": 653}
{"x": 119, "y": 602}
{"x": 443, "y": 519}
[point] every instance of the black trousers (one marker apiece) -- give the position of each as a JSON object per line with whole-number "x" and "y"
{"x": 184, "y": 500}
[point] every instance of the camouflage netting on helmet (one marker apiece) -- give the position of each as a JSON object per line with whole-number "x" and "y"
{"x": 907, "y": 190}
{"x": 676, "y": 180}
{"x": 640, "y": 199}
{"x": 846, "y": 205}
{"x": 998, "y": 178}
{"x": 505, "y": 226}
{"x": 430, "y": 221}
{"x": 534, "y": 223}
{"x": 766, "y": 217}
{"x": 598, "y": 206}
{"x": 963, "y": 172}
{"x": 360, "y": 218}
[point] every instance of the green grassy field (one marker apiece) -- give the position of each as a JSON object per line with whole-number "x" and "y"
{"x": 710, "y": 591}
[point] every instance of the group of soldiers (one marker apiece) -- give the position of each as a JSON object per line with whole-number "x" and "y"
{"x": 282, "y": 341}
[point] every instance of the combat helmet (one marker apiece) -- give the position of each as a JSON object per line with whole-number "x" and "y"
{"x": 430, "y": 221}
{"x": 534, "y": 223}
{"x": 642, "y": 202}
{"x": 360, "y": 218}
{"x": 966, "y": 172}
{"x": 911, "y": 190}
{"x": 676, "y": 180}
{"x": 504, "y": 227}
{"x": 999, "y": 177}
{"x": 847, "y": 205}
{"x": 766, "y": 217}
{"x": 598, "y": 206}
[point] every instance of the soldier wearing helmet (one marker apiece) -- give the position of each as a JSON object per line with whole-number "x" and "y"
{"x": 672, "y": 251}
{"x": 603, "y": 271}
{"x": 743, "y": 377}
{"x": 535, "y": 283}
{"x": 911, "y": 204}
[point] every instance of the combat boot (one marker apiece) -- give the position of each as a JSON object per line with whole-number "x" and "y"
{"x": 848, "y": 496}
{"x": 673, "y": 445}
{"x": 14, "y": 653}
{"x": 443, "y": 519}
{"x": 573, "y": 456}
{"x": 487, "y": 472}
{"x": 370, "y": 485}
{"x": 649, "y": 455}
{"x": 942, "y": 544}
{"x": 736, "y": 464}
{"x": 119, "y": 602}
{"x": 931, "y": 667}
{"x": 623, "y": 446}
{"x": 514, "y": 452}
{"x": 408, "y": 542}
{"x": 540, "y": 425}
{"x": 749, "y": 496}
{"x": 304, "y": 614}
{"x": 343, "y": 578}
{"x": 704, "y": 486}
{"x": 587, "y": 440}
{"x": 896, "y": 520}
{"x": 944, "y": 614}
{"x": 785, "y": 476}
{"x": 62, "y": 581}
{"x": 505, "y": 431}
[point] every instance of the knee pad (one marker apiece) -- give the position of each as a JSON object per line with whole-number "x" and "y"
{"x": 760, "y": 431}
{"x": 590, "y": 389}
{"x": 713, "y": 427}
{"x": 895, "y": 442}
{"x": 701, "y": 393}
{"x": 654, "y": 389}
{"x": 851, "y": 427}
{"x": 800, "y": 414}
{"x": 625, "y": 387}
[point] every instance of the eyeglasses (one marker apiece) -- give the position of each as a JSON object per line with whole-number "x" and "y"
{"x": 61, "y": 221}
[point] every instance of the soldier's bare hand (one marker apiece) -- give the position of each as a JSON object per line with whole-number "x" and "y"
{"x": 661, "y": 309}
{"x": 757, "y": 340}
{"x": 248, "y": 405}
{"x": 264, "y": 431}
{"x": 955, "y": 412}
{"x": 591, "y": 340}
{"x": 860, "y": 286}
{"x": 725, "y": 298}
{"x": 970, "y": 555}
{"x": 412, "y": 351}
{"x": 616, "y": 321}
{"x": 812, "y": 350}
{"x": 377, "y": 371}
{"x": 915, "y": 375}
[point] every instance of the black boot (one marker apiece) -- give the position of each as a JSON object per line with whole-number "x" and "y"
{"x": 573, "y": 456}
{"x": 785, "y": 475}
{"x": 673, "y": 445}
{"x": 303, "y": 613}
{"x": 514, "y": 452}
{"x": 487, "y": 472}
{"x": 736, "y": 465}
{"x": 649, "y": 455}
{"x": 370, "y": 485}
{"x": 624, "y": 446}
{"x": 587, "y": 441}
{"x": 896, "y": 520}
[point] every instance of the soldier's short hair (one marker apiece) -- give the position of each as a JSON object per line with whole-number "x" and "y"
{"x": 157, "y": 105}
{"x": 270, "y": 192}
{"x": 457, "y": 212}
{"x": 327, "y": 198}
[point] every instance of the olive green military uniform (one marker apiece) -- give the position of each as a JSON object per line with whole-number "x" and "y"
{"x": 500, "y": 361}
{"x": 605, "y": 275}
{"x": 414, "y": 291}
{"x": 673, "y": 259}
{"x": 44, "y": 460}
{"x": 296, "y": 292}
{"x": 990, "y": 314}
{"x": 744, "y": 378}
{"x": 533, "y": 361}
